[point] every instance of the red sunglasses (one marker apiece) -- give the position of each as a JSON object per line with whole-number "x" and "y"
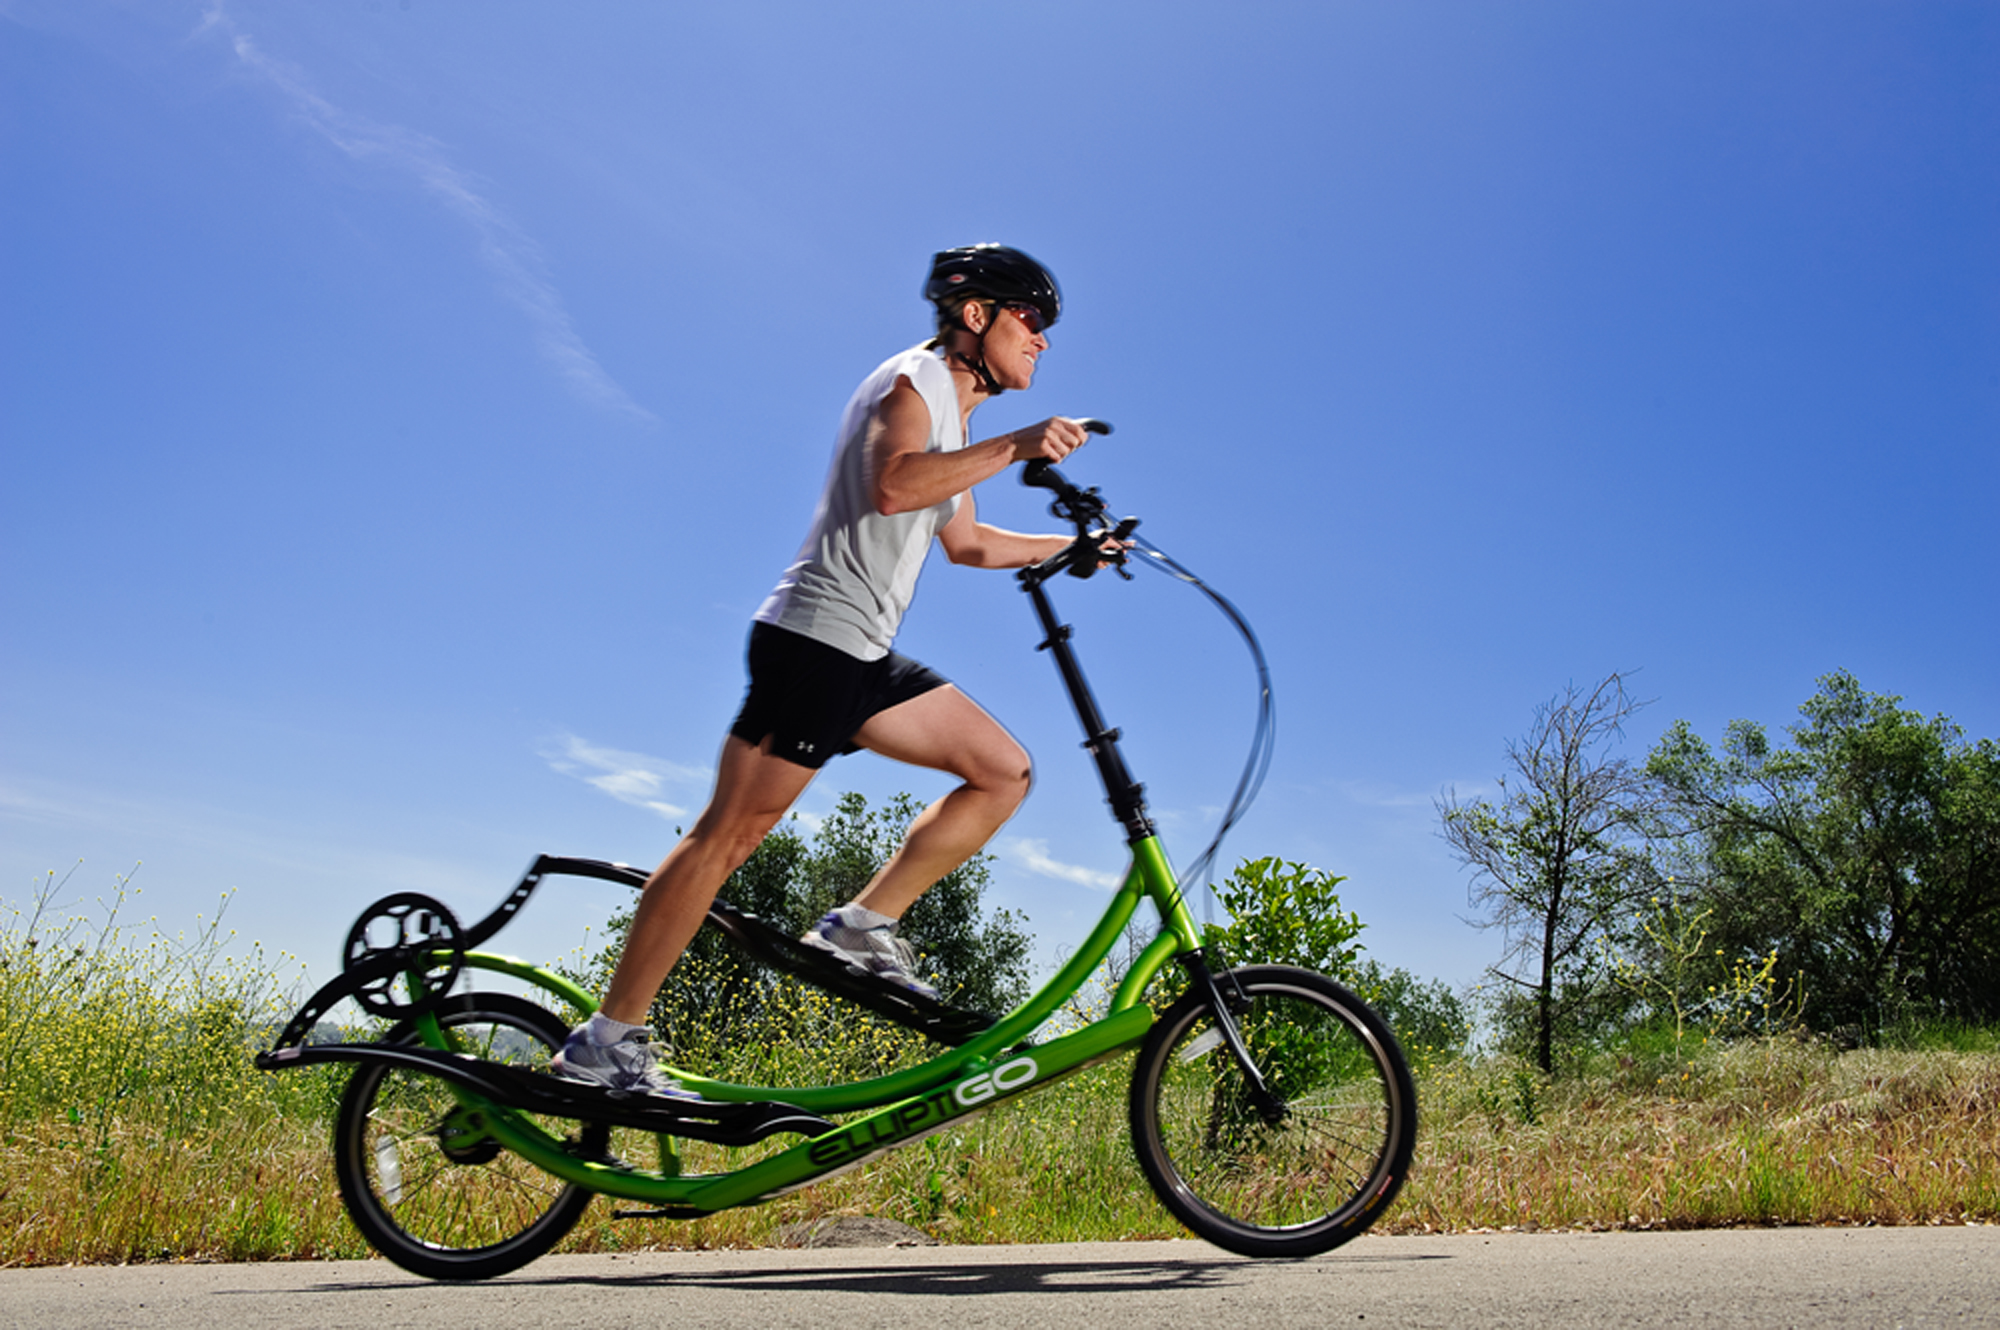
{"x": 1030, "y": 317}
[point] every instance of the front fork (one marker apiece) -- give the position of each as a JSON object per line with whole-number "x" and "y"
{"x": 1225, "y": 1000}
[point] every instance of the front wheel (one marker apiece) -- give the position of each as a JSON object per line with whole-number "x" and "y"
{"x": 1306, "y": 1176}
{"x": 425, "y": 1186}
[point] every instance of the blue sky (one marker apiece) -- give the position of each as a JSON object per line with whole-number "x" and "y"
{"x": 404, "y": 406}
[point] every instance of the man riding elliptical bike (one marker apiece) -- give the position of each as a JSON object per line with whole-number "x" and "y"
{"x": 824, "y": 679}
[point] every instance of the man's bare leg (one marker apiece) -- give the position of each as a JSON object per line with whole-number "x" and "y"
{"x": 752, "y": 791}
{"x": 944, "y": 730}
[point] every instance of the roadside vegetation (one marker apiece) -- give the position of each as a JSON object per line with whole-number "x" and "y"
{"x": 155, "y": 1140}
{"x": 1752, "y": 985}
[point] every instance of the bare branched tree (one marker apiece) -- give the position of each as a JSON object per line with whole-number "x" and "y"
{"x": 1559, "y": 859}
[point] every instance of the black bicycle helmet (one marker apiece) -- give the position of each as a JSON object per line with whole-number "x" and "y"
{"x": 999, "y": 272}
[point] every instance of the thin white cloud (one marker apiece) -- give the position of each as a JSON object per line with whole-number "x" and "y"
{"x": 508, "y": 251}
{"x": 630, "y": 778}
{"x": 30, "y": 806}
{"x": 1033, "y": 855}
{"x": 1371, "y": 795}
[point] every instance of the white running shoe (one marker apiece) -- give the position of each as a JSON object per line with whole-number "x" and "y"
{"x": 630, "y": 1065}
{"x": 876, "y": 950}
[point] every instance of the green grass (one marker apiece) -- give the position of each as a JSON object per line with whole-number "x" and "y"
{"x": 1949, "y": 1036}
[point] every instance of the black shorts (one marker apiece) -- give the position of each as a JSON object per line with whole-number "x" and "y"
{"x": 811, "y": 698}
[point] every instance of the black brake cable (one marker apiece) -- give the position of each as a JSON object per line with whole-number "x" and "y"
{"x": 1263, "y": 740}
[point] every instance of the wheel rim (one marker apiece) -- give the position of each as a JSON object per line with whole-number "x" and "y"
{"x": 432, "y": 1181}
{"x": 1327, "y": 1158}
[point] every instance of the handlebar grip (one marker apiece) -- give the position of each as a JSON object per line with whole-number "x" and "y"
{"x": 1042, "y": 474}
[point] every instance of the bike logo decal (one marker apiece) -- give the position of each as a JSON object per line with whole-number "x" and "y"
{"x": 873, "y": 1135}
{"x": 1007, "y": 1076}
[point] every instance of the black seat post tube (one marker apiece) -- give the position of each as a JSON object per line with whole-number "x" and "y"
{"x": 1126, "y": 796}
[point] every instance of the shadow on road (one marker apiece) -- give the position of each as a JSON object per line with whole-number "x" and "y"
{"x": 931, "y": 1280}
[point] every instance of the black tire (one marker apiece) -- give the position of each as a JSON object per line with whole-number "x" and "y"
{"x": 1322, "y": 1174}
{"x": 450, "y": 1210}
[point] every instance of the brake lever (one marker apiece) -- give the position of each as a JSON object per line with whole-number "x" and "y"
{"x": 1122, "y": 533}
{"x": 1099, "y": 557}
{"x": 1042, "y": 474}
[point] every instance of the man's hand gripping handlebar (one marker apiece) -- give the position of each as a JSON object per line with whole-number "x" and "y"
{"x": 1098, "y": 542}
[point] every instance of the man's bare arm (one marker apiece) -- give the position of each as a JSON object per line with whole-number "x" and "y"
{"x": 904, "y": 478}
{"x": 973, "y": 543}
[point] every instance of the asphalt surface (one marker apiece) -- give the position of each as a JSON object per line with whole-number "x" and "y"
{"x": 1753, "y": 1278}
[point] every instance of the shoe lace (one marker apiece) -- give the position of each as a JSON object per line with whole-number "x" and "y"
{"x": 634, "y": 1052}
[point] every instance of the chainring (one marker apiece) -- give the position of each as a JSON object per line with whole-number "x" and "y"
{"x": 414, "y": 929}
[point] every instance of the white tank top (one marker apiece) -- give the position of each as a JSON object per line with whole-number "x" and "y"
{"x": 857, "y": 570}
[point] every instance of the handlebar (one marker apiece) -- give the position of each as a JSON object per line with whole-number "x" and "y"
{"x": 1084, "y": 509}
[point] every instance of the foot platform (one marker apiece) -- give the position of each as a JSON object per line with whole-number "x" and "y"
{"x": 779, "y": 950}
{"x": 539, "y": 1092}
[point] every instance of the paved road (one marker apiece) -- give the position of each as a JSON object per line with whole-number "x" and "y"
{"x": 1778, "y": 1277}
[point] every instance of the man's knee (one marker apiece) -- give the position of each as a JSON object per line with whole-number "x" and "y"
{"x": 1011, "y": 775}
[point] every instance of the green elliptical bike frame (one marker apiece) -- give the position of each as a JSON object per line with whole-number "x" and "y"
{"x": 1271, "y": 1109}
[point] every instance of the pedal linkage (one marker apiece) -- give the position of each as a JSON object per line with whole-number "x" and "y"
{"x": 779, "y": 950}
{"x": 539, "y": 1092}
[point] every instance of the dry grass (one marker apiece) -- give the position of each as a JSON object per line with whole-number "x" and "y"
{"x": 1782, "y": 1131}
{"x": 1770, "y": 1131}
{"x": 251, "y": 1191}
{"x": 132, "y": 1125}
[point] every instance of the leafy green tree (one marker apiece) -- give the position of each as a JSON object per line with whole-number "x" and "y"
{"x": 1866, "y": 854}
{"x": 1290, "y": 914}
{"x": 1431, "y": 1021}
{"x": 978, "y": 960}
{"x": 1281, "y": 914}
{"x": 981, "y": 961}
{"x": 1560, "y": 861}
{"x": 1286, "y": 914}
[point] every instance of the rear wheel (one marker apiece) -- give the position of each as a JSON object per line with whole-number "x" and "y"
{"x": 429, "y": 1189}
{"x": 1335, "y": 1155}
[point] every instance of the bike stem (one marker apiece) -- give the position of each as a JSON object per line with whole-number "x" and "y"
{"x": 1125, "y": 795}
